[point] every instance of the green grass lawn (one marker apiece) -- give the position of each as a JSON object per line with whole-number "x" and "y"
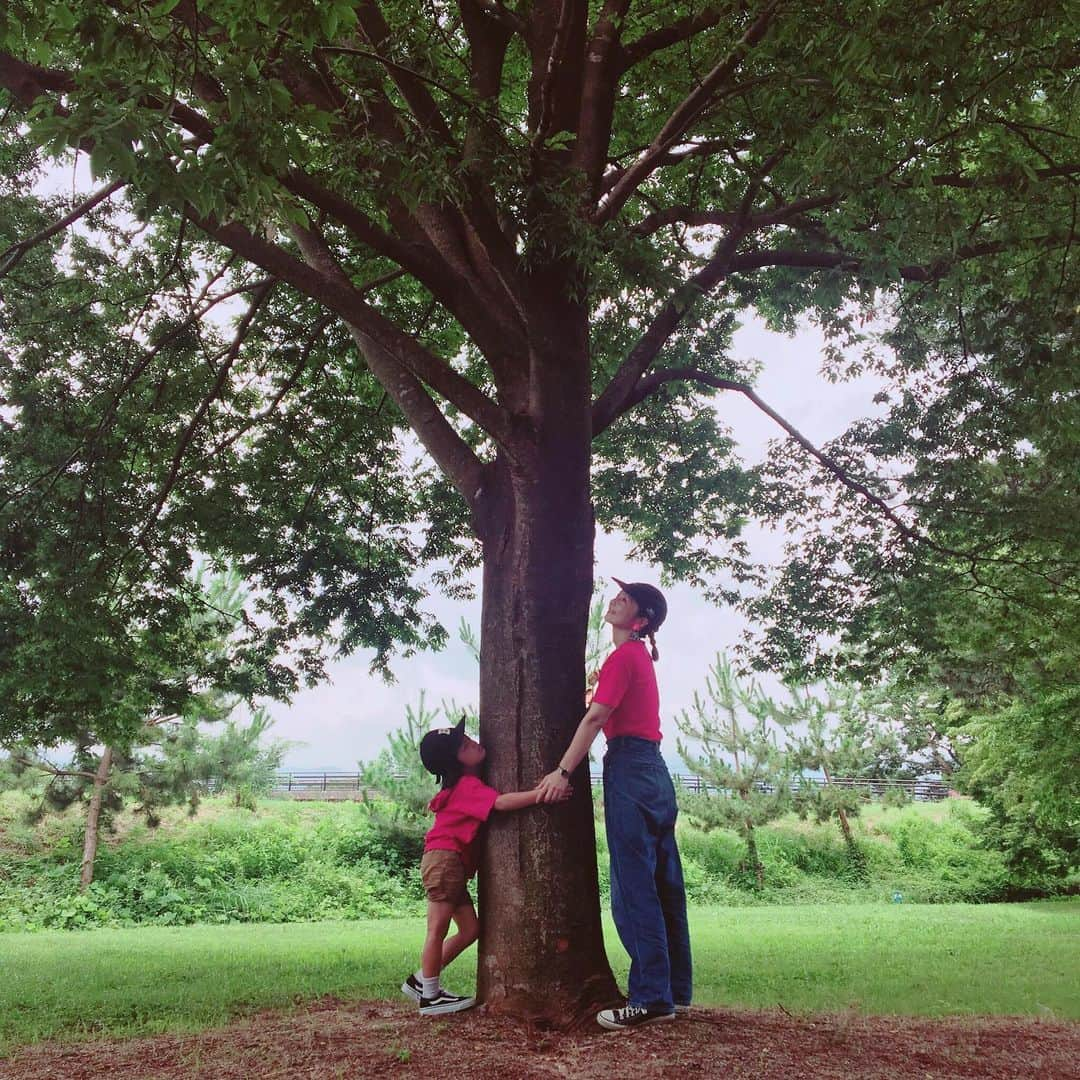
{"x": 928, "y": 960}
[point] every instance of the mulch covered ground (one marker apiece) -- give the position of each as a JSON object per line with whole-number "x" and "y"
{"x": 334, "y": 1039}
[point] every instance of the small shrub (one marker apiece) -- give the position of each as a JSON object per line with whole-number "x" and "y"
{"x": 244, "y": 797}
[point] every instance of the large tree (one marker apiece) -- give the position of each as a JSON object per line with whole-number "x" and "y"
{"x": 525, "y": 232}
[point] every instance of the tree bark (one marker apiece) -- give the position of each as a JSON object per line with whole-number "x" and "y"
{"x": 93, "y": 816}
{"x": 542, "y": 953}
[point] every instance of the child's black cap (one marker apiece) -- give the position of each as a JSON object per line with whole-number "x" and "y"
{"x": 439, "y": 749}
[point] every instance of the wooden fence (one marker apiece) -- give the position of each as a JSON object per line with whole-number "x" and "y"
{"x": 345, "y": 785}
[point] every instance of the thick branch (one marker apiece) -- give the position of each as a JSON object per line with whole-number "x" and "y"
{"x": 489, "y": 37}
{"x": 681, "y": 215}
{"x": 612, "y": 401}
{"x": 686, "y": 215}
{"x": 261, "y": 294}
{"x": 543, "y": 108}
{"x": 1002, "y": 180}
{"x": 498, "y": 12}
{"x": 345, "y": 300}
{"x": 449, "y": 451}
{"x": 478, "y": 253}
{"x": 680, "y": 30}
{"x": 410, "y": 83}
{"x": 683, "y": 116}
{"x": 834, "y": 260}
{"x": 28, "y": 82}
{"x": 425, "y": 264}
{"x": 598, "y": 93}
{"x": 51, "y": 769}
{"x": 682, "y": 300}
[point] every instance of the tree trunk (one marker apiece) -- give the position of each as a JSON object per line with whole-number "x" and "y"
{"x": 855, "y": 856}
{"x": 752, "y": 855}
{"x": 541, "y": 945}
{"x": 93, "y": 816}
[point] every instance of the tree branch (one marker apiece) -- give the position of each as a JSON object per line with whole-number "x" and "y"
{"x": 680, "y": 30}
{"x": 828, "y": 260}
{"x": 383, "y": 355}
{"x": 543, "y": 93}
{"x": 50, "y": 768}
{"x": 686, "y": 215}
{"x": 651, "y": 383}
{"x": 261, "y": 294}
{"x": 683, "y": 116}
{"x": 1002, "y": 180}
{"x": 619, "y": 389}
{"x": 498, "y": 12}
{"x": 474, "y": 312}
{"x": 598, "y": 93}
{"x": 341, "y": 297}
{"x": 14, "y": 254}
{"x": 410, "y": 83}
{"x": 612, "y": 401}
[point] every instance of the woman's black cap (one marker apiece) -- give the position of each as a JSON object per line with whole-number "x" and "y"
{"x": 649, "y": 599}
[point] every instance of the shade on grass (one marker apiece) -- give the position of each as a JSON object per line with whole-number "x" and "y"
{"x": 919, "y": 960}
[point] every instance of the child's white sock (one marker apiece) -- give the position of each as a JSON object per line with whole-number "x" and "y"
{"x": 419, "y": 976}
{"x": 431, "y": 986}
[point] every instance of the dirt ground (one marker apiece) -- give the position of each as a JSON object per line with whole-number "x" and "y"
{"x": 333, "y": 1039}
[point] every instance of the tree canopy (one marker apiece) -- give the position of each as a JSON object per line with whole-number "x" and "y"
{"x": 405, "y": 178}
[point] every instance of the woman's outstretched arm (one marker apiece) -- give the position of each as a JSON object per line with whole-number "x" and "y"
{"x": 552, "y": 786}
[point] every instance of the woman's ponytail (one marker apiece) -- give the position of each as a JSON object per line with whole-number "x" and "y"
{"x": 652, "y": 642}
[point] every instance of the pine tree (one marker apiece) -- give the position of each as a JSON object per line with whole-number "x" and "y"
{"x": 173, "y": 761}
{"x": 746, "y": 772}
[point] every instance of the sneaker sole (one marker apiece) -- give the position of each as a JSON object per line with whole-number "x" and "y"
{"x": 452, "y": 1007}
{"x": 612, "y": 1026}
{"x": 409, "y": 992}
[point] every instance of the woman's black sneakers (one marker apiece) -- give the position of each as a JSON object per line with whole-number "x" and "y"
{"x": 632, "y": 1016}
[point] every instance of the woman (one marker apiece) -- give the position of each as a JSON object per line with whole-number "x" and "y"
{"x": 648, "y": 899}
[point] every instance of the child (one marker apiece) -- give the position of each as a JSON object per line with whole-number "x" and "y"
{"x": 450, "y": 859}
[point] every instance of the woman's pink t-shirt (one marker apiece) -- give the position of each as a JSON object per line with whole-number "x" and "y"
{"x": 628, "y": 685}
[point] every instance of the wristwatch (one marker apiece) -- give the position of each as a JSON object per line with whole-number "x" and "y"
{"x": 563, "y": 773}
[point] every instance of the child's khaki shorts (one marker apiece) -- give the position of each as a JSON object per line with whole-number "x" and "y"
{"x": 443, "y": 875}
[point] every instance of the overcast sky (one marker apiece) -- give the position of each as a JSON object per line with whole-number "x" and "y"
{"x": 346, "y": 720}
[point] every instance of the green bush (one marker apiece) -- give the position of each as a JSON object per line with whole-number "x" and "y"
{"x": 288, "y": 862}
{"x": 948, "y": 857}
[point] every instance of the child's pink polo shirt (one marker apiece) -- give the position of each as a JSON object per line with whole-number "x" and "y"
{"x": 459, "y": 813}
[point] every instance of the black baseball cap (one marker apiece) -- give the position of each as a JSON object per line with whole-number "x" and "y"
{"x": 439, "y": 750}
{"x": 649, "y": 599}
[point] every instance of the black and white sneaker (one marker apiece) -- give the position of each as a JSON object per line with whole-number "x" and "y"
{"x": 412, "y": 989}
{"x": 443, "y": 1003}
{"x": 682, "y": 1010}
{"x": 632, "y": 1016}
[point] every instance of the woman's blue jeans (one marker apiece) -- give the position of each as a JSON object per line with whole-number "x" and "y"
{"x": 648, "y": 897}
